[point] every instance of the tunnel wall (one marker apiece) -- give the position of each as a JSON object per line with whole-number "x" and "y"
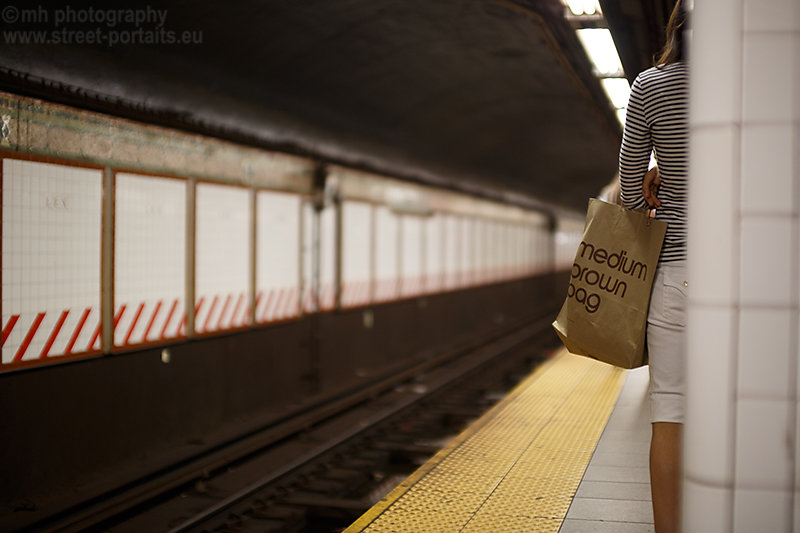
{"x": 80, "y": 429}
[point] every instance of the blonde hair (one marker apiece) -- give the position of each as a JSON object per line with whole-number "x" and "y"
{"x": 673, "y": 49}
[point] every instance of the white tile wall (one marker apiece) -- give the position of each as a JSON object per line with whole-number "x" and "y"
{"x": 713, "y": 279}
{"x": 222, "y": 251}
{"x": 492, "y": 251}
{"x": 706, "y": 509}
{"x": 512, "y": 250}
{"x": 308, "y": 299}
{"x": 716, "y": 50}
{"x": 766, "y": 266}
{"x": 767, "y": 332}
{"x": 51, "y": 259}
{"x": 411, "y": 255}
{"x": 771, "y": 15}
{"x": 356, "y": 253}
{"x": 481, "y": 247}
{"x": 710, "y": 389}
{"x": 568, "y": 237}
{"x": 750, "y": 507}
{"x": 277, "y": 274}
{"x": 326, "y": 299}
{"x": 467, "y": 260}
{"x": 767, "y": 146}
{"x": 386, "y": 243}
{"x": 327, "y": 260}
{"x": 741, "y": 446}
{"x": 768, "y": 70}
{"x": 452, "y": 250}
{"x": 150, "y": 257}
{"x": 763, "y": 452}
{"x": 434, "y": 253}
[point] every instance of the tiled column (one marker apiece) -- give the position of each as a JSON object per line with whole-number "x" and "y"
{"x": 741, "y": 440}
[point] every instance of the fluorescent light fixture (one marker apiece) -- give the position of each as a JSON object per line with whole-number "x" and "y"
{"x": 618, "y": 91}
{"x": 621, "y": 114}
{"x": 600, "y": 48}
{"x": 582, "y": 7}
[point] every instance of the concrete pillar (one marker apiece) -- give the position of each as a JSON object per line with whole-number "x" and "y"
{"x": 741, "y": 442}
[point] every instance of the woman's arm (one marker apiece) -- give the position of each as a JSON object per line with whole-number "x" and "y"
{"x": 634, "y": 154}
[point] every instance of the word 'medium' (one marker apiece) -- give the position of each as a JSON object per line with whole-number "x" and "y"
{"x": 605, "y": 282}
{"x": 621, "y": 262}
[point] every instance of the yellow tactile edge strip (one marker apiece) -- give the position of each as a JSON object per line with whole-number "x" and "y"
{"x": 515, "y": 469}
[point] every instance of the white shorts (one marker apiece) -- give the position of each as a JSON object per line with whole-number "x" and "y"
{"x": 666, "y": 342}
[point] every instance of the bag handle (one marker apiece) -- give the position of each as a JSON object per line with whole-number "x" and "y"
{"x": 649, "y": 211}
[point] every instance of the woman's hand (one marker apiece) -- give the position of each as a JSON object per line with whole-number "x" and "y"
{"x": 650, "y": 187}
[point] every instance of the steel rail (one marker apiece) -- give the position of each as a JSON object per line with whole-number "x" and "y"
{"x": 490, "y": 352}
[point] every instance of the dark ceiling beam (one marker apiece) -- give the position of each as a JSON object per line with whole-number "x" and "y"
{"x": 638, "y": 30}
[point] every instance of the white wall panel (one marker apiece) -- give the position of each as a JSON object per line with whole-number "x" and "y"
{"x": 481, "y": 251}
{"x": 434, "y": 253}
{"x": 277, "y": 256}
{"x": 327, "y": 259}
{"x": 567, "y": 238}
{"x": 528, "y": 245}
{"x": 452, "y": 250}
{"x": 504, "y": 235}
{"x": 411, "y": 255}
{"x": 51, "y": 260}
{"x": 741, "y": 433}
{"x": 222, "y": 251}
{"x": 309, "y": 299}
{"x": 521, "y": 240}
{"x": 325, "y": 300}
{"x": 538, "y": 253}
{"x": 356, "y": 253}
{"x": 149, "y": 258}
{"x": 386, "y": 259}
{"x": 493, "y": 251}
{"x": 467, "y": 263}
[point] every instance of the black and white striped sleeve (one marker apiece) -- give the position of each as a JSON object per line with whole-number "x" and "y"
{"x": 634, "y": 154}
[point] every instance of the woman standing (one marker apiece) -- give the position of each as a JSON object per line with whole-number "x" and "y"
{"x": 657, "y": 120}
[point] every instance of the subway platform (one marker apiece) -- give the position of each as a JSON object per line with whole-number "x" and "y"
{"x": 566, "y": 450}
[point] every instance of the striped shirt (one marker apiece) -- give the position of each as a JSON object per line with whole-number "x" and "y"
{"x": 657, "y": 120}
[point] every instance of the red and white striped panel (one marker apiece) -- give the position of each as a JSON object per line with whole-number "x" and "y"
{"x": 277, "y": 256}
{"x": 51, "y": 221}
{"x": 411, "y": 286}
{"x": 275, "y": 305}
{"x": 324, "y": 301}
{"x": 355, "y": 294}
{"x": 433, "y": 282}
{"x": 222, "y": 266}
{"x": 387, "y": 289}
{"x": 30, "y": 336}
{"x": 147, "y": 321}
{"x": 221, "y": 312}
{"x": 411, "y": 256}
{"x": 309, "y": 301}
{"x": 356, "y": 253}
{"x": 150, "y": 258}
{"x": 327, "y": 297}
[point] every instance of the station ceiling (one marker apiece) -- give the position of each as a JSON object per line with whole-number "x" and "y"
{"x": 492, "y": 97}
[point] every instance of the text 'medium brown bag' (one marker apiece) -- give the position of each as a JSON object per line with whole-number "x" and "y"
{"x": 605, "y": 314}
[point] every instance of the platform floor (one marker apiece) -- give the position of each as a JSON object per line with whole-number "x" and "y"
{"x": 614, "y": 495}
{"x": 536, "y": 461}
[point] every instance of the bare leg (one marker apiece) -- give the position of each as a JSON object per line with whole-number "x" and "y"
{"x": 665, "y": 475}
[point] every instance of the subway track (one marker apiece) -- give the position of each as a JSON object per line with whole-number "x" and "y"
{"x": 321, "y": 470}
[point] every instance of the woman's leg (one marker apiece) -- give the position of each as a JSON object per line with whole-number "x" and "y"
{"x": 665, "y": 339}
{"x": 665, "y": 475}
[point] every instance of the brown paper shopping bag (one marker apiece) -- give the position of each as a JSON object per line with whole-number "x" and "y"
{"x": 605, "y": 314}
